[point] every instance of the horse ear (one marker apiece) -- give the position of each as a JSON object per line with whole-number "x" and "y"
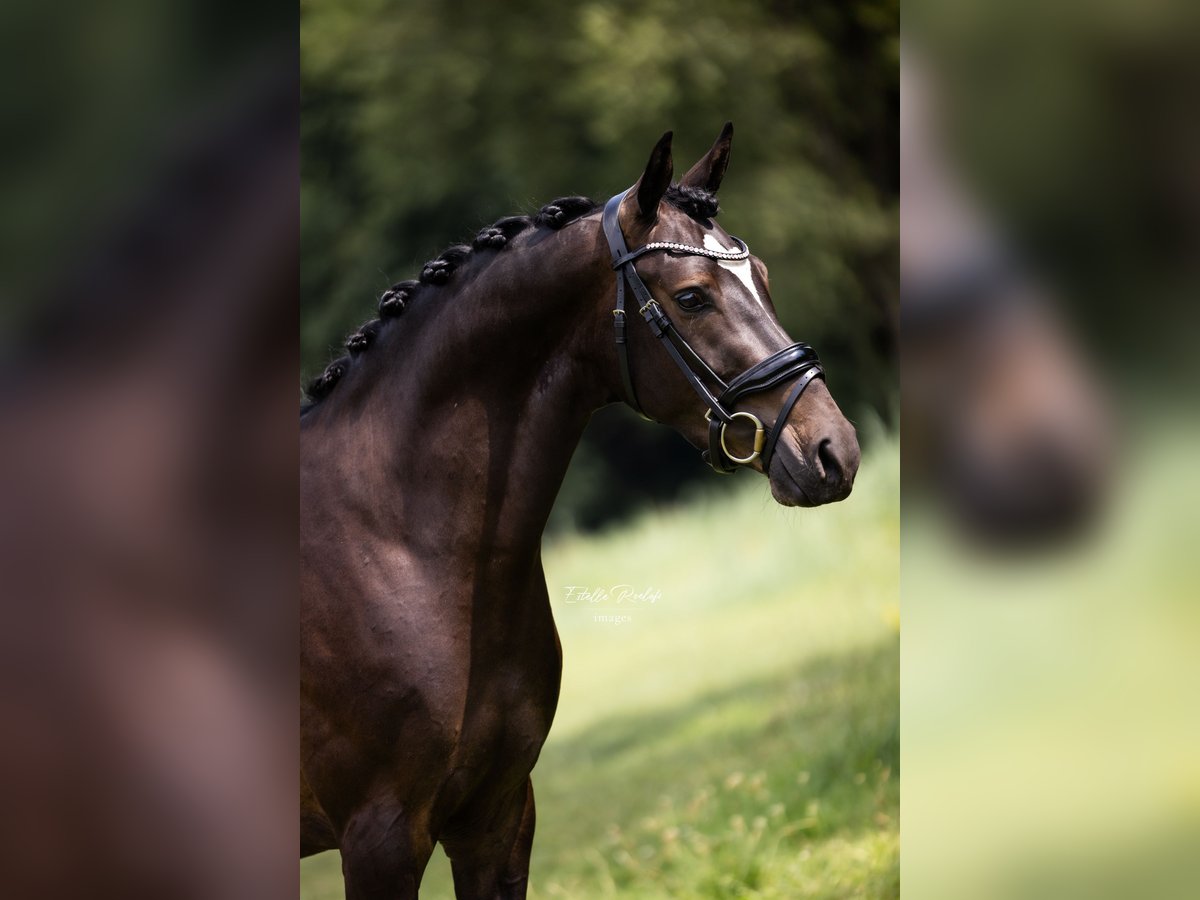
{"x": 709, "y": 171}
{"x": 655, "y": 180}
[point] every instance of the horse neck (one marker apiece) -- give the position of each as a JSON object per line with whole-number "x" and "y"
{"x": 457, "y": 443}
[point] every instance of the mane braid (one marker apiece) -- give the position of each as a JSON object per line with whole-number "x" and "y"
{"x": 394, "y": 299}
{"x": 364, "y": 337}
{"x": 435, "y": 273}
{"x": 319, "y": 387}
{"x": 497, "y": 235}
{"x": 439, "y": 270}
{"x": 564, "y": 210}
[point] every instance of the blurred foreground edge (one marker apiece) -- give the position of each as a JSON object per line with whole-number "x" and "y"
{"x": 1047, "y": 696}
{"x": 147, "y": 531}
{"x": 1003, "y": 421}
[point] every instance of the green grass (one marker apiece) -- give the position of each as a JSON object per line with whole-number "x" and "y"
{"x": 738, "y": 736}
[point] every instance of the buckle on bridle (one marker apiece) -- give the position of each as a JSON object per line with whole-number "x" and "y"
{"x": 649, "y": 303}
{"x": 618, "y": 312}
{"x": 760, "y": 437}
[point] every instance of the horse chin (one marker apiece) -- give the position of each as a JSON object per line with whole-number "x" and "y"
{"x": 787, "y": 493}
{"x": 786, "y": 488}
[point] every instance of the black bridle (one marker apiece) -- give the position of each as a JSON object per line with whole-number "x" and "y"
{"x": 792, "y": 361}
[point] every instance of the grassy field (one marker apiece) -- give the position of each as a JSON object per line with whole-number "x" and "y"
{"x": 735, "y": 732}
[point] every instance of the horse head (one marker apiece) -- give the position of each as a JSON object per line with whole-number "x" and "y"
{"x": 712, "y": 360}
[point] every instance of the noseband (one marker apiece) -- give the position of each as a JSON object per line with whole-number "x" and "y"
{"x": 792, "y": 361}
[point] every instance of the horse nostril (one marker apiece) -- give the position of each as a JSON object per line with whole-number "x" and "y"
{"x": 830, "y": 464}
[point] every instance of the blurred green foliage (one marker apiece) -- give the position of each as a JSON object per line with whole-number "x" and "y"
{"x": 1075, "y": 124}
{"x": 423, "y": 121}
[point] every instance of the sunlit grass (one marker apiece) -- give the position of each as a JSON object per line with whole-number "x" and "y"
{"x": 737, "y": 737}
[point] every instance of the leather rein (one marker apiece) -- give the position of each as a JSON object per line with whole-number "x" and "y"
{"x": 792, "y": 361}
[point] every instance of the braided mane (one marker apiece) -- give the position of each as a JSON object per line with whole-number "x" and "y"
{"x": 695, "y": 202}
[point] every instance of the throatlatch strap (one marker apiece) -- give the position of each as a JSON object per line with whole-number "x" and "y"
{"x": 623, "y": 348}
{"x": 616, "y": 245}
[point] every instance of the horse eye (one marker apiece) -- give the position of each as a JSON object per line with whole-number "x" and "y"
{"x": 689, "y": 300}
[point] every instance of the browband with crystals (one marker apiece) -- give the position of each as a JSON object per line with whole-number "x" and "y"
{"x": 686, "y": 250}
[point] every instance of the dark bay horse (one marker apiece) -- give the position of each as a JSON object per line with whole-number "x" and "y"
{"x": 430, "y": 458}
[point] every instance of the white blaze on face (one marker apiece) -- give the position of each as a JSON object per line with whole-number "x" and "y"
{"x": 740, "y": 268}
